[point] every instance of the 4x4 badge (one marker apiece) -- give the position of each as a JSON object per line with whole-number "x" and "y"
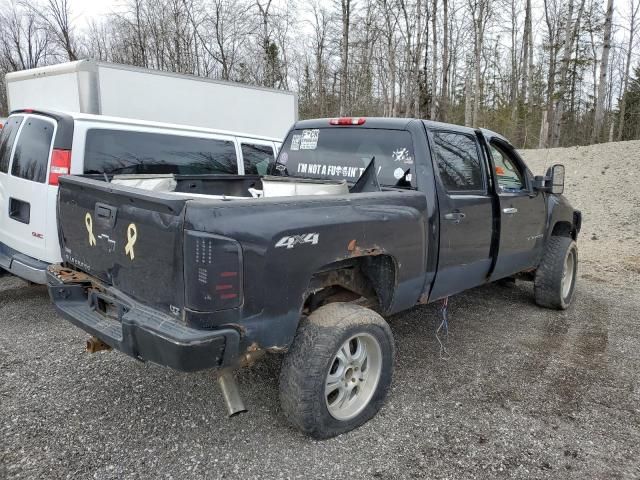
{"x": 293, "y": 240}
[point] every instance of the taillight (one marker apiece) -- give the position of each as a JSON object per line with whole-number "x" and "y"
{"x": 347, "y": 121}
{"x": 60, "y": 165}
{"x": 213, "y": 272}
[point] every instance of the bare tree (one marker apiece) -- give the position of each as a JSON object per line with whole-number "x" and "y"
{"x": 434, "y": 61}
{"x": 56, "y": 15}
{"x": 479, "y": 11}
{"x": 634, "y": 6}
{"x": 344, "y": 56}
{"x": 567, "y": 47}
{"x": 444, "y": 84}
{"x": 604, "y": 66}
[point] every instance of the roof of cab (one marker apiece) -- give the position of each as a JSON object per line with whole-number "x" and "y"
{"x": 395, "y": 124}
{"x": 370, "y": 122}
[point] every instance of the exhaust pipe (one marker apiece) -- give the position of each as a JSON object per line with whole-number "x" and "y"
{"x": 230, "y": 392}
{"x": 96, "y": 345}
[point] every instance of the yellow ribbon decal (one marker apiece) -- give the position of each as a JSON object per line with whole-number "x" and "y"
{"x": 88, "y": 221}
{"x": 132, "y": 236}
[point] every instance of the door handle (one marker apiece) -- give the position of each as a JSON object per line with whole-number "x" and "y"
{"x": 454, "y": 216}
{"x": 510, "y": 210}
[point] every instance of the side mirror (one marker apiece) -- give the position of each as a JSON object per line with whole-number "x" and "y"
{"x": 540, "y": 183}
{"x": 555, "y": 177}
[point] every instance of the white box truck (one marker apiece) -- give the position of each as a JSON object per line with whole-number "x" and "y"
{"x": 88, "y": 86}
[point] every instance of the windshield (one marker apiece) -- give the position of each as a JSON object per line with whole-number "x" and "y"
{"x": 344, "y": 153}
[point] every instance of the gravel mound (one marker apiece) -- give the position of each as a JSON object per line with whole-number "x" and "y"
{"x": 601, "y": 181}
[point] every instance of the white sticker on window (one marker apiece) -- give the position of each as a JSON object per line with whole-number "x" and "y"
{"x": 402, "y": 155}
{"x": 309, "y": 139}
{"x": 398, "y": 173}
{"x": 295, "y": 142}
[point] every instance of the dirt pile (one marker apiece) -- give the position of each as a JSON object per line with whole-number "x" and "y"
{"x": 602, "y": 181}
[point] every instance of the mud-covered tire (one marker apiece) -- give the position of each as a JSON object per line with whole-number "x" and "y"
{"x": 550, "y": 287}
{"x": 312, "y": 358}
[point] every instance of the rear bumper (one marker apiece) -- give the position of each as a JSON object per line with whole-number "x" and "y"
{"x": 22, "y": 265}
{"x": 144, "y": 333}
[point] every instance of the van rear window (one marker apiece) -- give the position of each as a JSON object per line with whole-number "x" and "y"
{"x": 127, "y": 152}
{"x": 31, "y": 157}
{"x": 7, "y": 137}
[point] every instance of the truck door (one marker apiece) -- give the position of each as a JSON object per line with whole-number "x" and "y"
{"x": 466, "y": 213}
{"x": 522, "y": 212}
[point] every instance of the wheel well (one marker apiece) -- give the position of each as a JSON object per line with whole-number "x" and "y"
{"x": 372, "y": 278}
{"x": 564, "y": 229}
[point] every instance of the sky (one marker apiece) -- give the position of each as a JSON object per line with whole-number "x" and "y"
{"x": 84, "y": 10}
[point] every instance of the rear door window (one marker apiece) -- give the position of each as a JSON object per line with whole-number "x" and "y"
{"x": 31, "y": 157}
{"x": 7, "y": 138}
{"x": 257, "y": 158}
{"x": 458, "y": 162}
{"x": 130, "y": 152}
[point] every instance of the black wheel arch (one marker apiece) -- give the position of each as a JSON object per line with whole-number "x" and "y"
{"x": 564, "y": 220}
{"x": 371, "y": 276}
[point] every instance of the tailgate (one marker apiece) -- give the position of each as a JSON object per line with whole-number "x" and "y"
{"x": 126, "y": 237}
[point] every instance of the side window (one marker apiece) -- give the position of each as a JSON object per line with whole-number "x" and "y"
{"x": 128, "y": 152}
{"x": 459, "y": 162}
{"x": 31, "y": 158}
{"x": 257, "y": 158}
{"x": 509, "y": 177}
{"x": 7, "y": 137}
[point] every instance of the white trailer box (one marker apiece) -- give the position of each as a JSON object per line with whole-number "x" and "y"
{"x": 118, "y": 90}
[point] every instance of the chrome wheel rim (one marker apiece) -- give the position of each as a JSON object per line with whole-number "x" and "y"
{"x": 353, "y": 376}
{"x": 567, "y": 275}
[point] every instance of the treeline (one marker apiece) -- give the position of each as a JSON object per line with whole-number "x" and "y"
{"x": 542, "y": 72}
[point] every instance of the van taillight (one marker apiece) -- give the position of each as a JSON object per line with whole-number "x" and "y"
{"x": 213, "y": 272}
{"x": 60, "y": 165}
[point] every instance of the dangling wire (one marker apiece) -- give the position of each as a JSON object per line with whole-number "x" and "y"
{"x": 444, "y": 325}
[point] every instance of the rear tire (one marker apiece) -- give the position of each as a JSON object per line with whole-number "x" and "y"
{"x": 556, "y": 275}
{"x": 338, "y": 371}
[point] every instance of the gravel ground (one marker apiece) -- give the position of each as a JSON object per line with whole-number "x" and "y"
{"x": 525, "y": 392}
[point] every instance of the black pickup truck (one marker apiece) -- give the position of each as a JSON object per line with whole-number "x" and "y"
{"x": 359, "y": 218}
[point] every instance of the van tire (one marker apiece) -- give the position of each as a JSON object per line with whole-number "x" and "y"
{"x": 558, "y": 266}
{"x": 316, "y": 358}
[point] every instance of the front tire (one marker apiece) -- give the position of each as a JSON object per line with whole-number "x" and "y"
{"x": 556, "y": 275}
{"x": 338, "y": 371}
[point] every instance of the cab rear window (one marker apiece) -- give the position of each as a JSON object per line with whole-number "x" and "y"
{"x": 31, "y": 157}
{"x": 7, "y": 138}
{"x": 344, "y": 153}
{"x": 129, "y": 152}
